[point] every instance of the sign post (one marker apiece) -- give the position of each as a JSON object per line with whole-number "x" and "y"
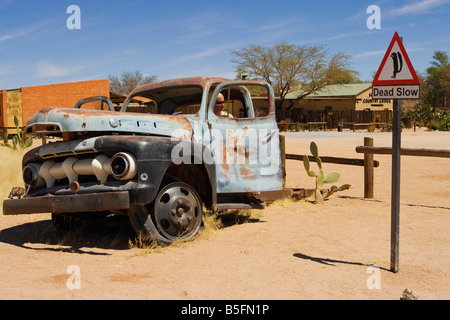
{"x": 396, "y": 79}
{"x": 395, "y": 184}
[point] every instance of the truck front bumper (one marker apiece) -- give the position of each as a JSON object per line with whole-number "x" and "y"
{"x": 68, "y": 203}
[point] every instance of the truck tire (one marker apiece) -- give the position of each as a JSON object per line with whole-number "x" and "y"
{"x": 176, "y": 214}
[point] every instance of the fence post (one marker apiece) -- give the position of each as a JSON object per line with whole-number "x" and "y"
{"x": 368, "y": 170}
{"x": 283, "y": 158}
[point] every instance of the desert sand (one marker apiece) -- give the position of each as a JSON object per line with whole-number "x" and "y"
{"x": 292, "y": 250}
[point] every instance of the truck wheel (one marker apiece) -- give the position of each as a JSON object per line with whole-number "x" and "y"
{"x": 175, "y": 214}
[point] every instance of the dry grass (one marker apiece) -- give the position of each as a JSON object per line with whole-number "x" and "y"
{"x": 285, "y": 202}
{"x": 11, "y": 172}
{"x": 212, "y": 224}
{"x": 144, "y": 244}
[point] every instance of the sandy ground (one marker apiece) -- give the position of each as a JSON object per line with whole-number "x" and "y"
{"x": 291, "y": 250}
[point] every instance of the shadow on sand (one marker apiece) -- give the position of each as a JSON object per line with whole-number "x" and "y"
{"x": 112, "y": 232}
{"x": 330, "y": 262}
{"x": 108, "y": 233}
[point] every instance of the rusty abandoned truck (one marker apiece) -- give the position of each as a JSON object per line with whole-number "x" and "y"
{"x": 163, "y": 158}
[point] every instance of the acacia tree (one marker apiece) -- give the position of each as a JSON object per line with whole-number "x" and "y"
{"x": 436, "y": 86}
{"x": 129, "y": 81}
{"x": 288, "y": 67}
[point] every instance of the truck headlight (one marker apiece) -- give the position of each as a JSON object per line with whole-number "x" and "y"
{"x": 123, "y": 166}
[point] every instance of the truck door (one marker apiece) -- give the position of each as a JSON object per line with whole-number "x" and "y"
{"x": 244, "y": 138}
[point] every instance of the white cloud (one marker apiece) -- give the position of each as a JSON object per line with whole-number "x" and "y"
{"x": 36, "y": 28}
{"x": 14, "y": 35}
{"x": 5, "y": 37}
{"x": 336, "y": 37}
{"x": 203, "y": 54}
{"x": 422, "y": 6}
{"x": 369, "y": 54}
{"x": 5, "y": 3}
{"x": 276, "y": 25}
{"x": 46, "y": 69}
{"x": 383, "y": 52}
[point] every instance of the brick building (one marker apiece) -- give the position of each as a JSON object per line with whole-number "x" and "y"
{"x": 26, "y": 101}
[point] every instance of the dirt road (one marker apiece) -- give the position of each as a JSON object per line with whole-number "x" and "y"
{"x": 291, "y": 250}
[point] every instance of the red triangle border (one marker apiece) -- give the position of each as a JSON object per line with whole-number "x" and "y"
{"x": 413, "y": 81}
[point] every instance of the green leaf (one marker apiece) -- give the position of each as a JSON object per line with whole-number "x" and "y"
{"x": 28, "y": 143}
{"x": 314, "y": 149}
{"x": 320, "y": 178}
{"x": 319, "y": 162}
{"x": 306, "y": 163}
{"x": 15, "y": 141}
{"x": 332, "y": 177}
{"x": 312, "y": 173}
{"x": 16, "y": 121}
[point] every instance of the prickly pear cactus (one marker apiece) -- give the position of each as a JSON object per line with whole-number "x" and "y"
{"x": 321, "y": 179}
{"x": 18, "y": 140}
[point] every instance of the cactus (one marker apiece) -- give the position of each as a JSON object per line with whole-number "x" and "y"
{"x": 321, "y": 179}
{"x": 18, "y": 140}
{"x": 5, "y": 140}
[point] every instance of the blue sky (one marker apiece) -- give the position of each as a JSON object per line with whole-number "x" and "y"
{"x": 178, "y": 38}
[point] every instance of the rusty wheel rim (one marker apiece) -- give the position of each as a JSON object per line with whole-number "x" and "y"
{"x": 178, "y": 211}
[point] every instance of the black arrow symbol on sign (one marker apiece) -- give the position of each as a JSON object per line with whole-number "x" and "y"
{"x": 397, "y": 60}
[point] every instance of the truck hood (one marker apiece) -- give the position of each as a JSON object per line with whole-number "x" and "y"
{"x": 53, "y": 120}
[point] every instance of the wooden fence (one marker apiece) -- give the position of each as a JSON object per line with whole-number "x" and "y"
{"x": 334, "y": 118}
{"x": 368, "y": 162}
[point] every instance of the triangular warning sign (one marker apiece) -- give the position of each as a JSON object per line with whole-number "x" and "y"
{"x": 396, "y": 68}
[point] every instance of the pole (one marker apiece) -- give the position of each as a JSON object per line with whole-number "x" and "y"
{"x": 395, "y": 191}
{"x": 368, "y": 170}
{"x": 283, "y": 158}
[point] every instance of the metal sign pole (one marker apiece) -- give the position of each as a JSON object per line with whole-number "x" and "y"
{"x": 396, "y": 79}
{"x": 395, "y": 191}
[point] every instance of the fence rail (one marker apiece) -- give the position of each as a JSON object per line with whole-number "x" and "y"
{"x": 335, "y": 160}
{"x": 284, "y": 125}
{"x": 405, "y": 151}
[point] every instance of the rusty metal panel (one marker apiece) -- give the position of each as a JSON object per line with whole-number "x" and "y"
{"x": 78, "y": 120}
{"x": 246, "y": 150}
{"x": 68, "y": 203}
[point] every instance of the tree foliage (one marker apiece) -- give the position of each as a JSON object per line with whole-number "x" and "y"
{"x": 435, "y": 92}
{"x": 129, "y": 81}
{"x": 436, "y": 85}
{"x": 288, "y": 67}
